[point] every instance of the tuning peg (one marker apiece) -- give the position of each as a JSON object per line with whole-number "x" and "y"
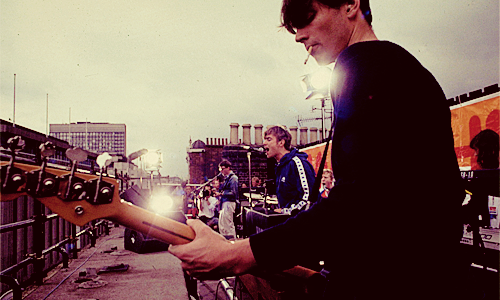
{"x": 47, "y": 149}
{"x": 104, "y": 160}
{"x": 76, "y": 154}
{"x": 15, "y": 143}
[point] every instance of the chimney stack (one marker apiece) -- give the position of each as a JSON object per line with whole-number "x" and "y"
{"x": 313, "y": 134}
{"x": 293, "y": 132}
{"x": 234, "y": 133}
{"x": 258, "y": 134}
{"x": 246, "y": 134}
{"x": 303, "y": 135}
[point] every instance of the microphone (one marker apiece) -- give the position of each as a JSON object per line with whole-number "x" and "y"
{"x": 254, "y": 149}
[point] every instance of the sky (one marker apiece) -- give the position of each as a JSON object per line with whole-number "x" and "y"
{"x": 176, "y": 71}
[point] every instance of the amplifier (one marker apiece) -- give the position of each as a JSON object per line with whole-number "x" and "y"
{"x": 257, "y": 219}
{"x": 490, "y": 237}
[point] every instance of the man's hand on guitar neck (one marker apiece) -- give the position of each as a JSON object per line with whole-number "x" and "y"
{"x": 211, "y": 256}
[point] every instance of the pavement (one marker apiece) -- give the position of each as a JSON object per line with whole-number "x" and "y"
{"x": 108, "y": 271}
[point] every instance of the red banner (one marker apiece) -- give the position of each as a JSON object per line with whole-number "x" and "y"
{"x": 315, "y": 154}
{"x": 470, "y": 118}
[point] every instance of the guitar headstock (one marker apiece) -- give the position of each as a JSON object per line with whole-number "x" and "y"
{"x": 81, "y": 208}
{"x": 76, "y": 197}
{"x": 13, "y": 182}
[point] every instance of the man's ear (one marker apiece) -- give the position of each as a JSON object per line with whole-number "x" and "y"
{"x": 352, "y": 8}
{"x": 281, "y": 143}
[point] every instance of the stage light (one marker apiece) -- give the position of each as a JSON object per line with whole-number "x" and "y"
{"x": 321, "y": 79}
{"x": 161, "y": 204}
{"x": 153, "y": 159}
{"x": 316, "y": 84}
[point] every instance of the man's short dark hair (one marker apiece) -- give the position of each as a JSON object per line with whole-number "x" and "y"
{"x": 487, "y": 144}
{"x": 225, "y": 164}
{"x": 299, "y": 13}
{"x": 281, "y": 133}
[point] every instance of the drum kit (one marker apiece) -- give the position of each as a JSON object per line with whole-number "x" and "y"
{"x": 259, "y": 200}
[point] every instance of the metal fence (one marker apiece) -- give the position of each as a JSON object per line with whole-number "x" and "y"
{"x": 34, "y": 241}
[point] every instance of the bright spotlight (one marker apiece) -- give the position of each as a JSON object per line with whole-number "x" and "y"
{"x": 153, "y": 159}
{"x": 161, "y": 204}
{"x": 316, "y": 85}
{"x": 321, "y": 78}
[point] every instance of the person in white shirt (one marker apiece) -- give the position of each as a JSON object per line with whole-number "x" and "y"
{"x": 208, "y": 204}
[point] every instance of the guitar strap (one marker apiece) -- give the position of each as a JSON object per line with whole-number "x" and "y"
{"x": 321, "y": 289}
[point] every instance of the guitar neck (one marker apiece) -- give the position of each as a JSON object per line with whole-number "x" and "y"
{"x": 154, "y": 225}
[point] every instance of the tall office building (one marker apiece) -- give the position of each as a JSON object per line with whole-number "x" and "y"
{"x": 95, "y": 137}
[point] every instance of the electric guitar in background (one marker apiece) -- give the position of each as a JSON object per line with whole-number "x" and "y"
{"x": 81, "y": 198}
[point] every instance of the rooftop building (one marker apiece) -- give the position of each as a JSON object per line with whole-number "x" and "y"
{"x": 95, "y": 137}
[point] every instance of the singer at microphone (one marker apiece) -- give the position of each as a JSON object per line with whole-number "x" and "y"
{"x": 294, "y": 173}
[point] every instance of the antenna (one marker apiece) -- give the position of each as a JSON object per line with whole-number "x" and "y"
{"x": 14, "y": 111}
{"x": 47, "y": 118}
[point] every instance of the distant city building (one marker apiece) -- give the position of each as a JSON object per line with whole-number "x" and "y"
{"x": 31, "y": 152}
{"x": 95, "y": 137}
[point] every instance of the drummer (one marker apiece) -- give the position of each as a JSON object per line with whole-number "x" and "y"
{"x": 255, "y": 182}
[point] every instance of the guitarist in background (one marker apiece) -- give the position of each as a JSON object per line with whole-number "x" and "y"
{"x": 390, "y": 228}
{"x": 228, "y": 196}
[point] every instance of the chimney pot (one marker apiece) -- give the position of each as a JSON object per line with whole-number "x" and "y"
{"x": 234, "y": 133}
{"x": 313, "y": 134}
{"x": 258, "y": 134}
{"x": 293, "y": 132}
{"x": 246, "y": 134}
{"x": 303, "y": 135}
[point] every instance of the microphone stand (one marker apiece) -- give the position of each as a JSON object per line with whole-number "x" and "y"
{"x": 265, "y": 196}
{"x": 205, "y": 184}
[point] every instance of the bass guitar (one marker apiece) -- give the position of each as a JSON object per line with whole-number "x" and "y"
{"x": 81, "y": 198}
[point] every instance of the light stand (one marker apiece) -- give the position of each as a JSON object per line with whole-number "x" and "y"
{"x": 323, "y": 118}
{"x": 249, "y": 155}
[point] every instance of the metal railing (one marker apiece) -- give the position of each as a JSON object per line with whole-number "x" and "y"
{"x": 31, "y": 236}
